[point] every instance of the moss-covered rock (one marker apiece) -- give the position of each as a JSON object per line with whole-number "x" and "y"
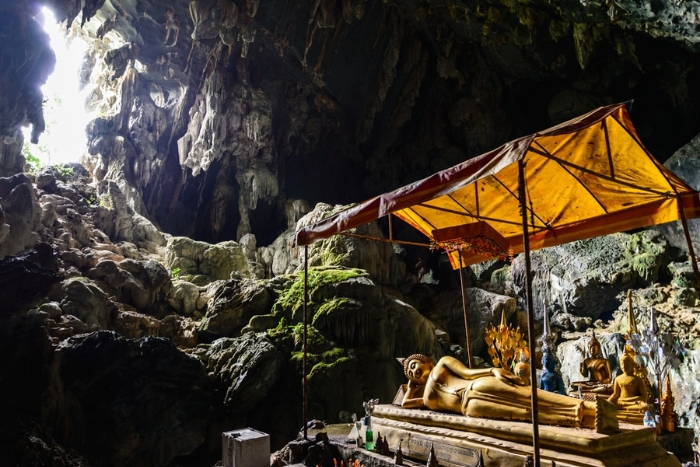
{"x": 647, "y": 253}
{"x": 321, "y": 283}
{"x": 378, "y": 259}
{"x": 686, "y": 297}
{"x": 683, "y": 275}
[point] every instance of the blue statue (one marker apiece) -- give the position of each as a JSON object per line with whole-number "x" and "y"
{"x": 550, "y": 380}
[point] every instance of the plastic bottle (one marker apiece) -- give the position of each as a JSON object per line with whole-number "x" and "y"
{"x": 369, "y": 434}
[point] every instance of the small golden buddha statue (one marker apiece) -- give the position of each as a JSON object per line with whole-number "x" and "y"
{"x": 629, "y": 393}
{"x": 522, "y": 369}
{"x": 597, "y": 368}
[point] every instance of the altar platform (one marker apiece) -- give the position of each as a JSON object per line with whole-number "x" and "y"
{"x": 458, "y": 440}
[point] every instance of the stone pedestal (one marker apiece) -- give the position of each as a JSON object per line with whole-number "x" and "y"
{"x": 458, "y": 440}
{"x": 245, "y": 448}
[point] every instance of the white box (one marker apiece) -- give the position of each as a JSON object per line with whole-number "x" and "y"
{"x": 245, "y": 448}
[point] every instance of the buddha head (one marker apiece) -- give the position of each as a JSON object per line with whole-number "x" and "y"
{"x": 594, "y": 347}
{"x": 628, "y": 364}
{"x": 417, "y": 368}
{"x": 548, "y": 362}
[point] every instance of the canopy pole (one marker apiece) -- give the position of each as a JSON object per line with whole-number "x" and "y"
{"x": 305, "y": 389}
{"x": 464, "y": 309}
{"x": 530, "y": 314}
{"x": 688, "y": 240}
{"x": 391, "y": 228}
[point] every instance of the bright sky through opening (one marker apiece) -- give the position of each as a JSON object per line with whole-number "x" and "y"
{"x": 64, "y": 140}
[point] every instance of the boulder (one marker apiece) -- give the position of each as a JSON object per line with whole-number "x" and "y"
{"x": 124, "y": 401}
{"x": 348, "y": 308}
{"x": 83, "y": 299}
{"x": 201, "y": 262}
{"x": 231, "y": 306}
{"x": 246, "y": 368}
{"x": 24, "y": 279}
{"x": 484, "y": 309}
{"x": 145, "y": 285}
{"x": 20, "y": 215}
{"x": 187, "y": 299}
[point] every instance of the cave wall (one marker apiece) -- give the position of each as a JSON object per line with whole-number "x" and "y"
{"x": 219, "y": 112}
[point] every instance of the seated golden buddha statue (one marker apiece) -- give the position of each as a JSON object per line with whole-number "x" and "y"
{"x": 496, "y": 393}
{"x": 522, "y": 368}
{"x": 629, "y": 393}
{"x": 597, "y": 369}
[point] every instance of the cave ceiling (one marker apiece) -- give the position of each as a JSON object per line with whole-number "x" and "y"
{"x": 217, "y": 114}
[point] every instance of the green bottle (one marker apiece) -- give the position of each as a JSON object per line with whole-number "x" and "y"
{"x": 369, "y": 434}
{"x": 369, "y": 440}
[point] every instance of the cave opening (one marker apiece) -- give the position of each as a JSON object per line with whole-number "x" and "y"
{"x": 64, "y": 140}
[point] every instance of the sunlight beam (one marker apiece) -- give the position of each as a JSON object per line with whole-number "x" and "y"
{"x": 64, "y": 140}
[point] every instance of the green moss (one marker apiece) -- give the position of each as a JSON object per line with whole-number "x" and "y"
{"x": 292, "y": 299}
{"x": 646, "y": 265}
{"x": 322, "y": 363}
{"x": 334, "y": 251}
{"x": 294, "y": 336}
{"x": 322, "y": 368}
{"x": 644, "y": 251}
{"x": 329, "y": 306}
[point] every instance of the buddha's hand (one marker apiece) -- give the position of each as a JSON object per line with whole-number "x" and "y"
{"x": 506, "y": 376}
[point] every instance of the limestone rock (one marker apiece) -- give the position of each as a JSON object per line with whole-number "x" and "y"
{"x": 686, "y": 386}
{"x": 25, "y": 369}
{"x": 134, "y": 325}
{"x": 231, "y": 306}
{"x": 586, "y": 278}
{"x": 123, "y": 400}
{"x": 203, "y": 262}
{"x": 571, "y": 322}
{"x": 376, "y": 257}
{"x": 484, "y": 309}
{"x": 145, "y": 285}
{"x": 83, "y": 299}
{"x": 114, "y": 216}
{"x": 686, "y": 164}
{"x": 245, "y": 367}
{"x": 351, "y": 310}
{"x": 187, "y": 299}
{"x": 21, "y": 215}
{"x": 23, "y": 279}
{"x": 182, "y": 331}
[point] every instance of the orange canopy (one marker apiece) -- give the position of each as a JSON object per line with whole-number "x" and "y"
{"x": 586, "y": 177}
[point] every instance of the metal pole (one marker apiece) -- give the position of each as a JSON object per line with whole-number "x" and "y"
{"x": 464, "y": 309}
{"x": 305, "y": 390}
{"x": 530, "y": 315}
{"x": 691, "y": 252}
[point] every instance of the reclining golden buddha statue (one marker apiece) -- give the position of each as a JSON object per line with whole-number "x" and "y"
{"x": 597, "y": 368}
{"x": 495, "y": 393}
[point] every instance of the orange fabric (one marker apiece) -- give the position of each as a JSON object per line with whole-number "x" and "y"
{"x": 587, "y": 177}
